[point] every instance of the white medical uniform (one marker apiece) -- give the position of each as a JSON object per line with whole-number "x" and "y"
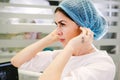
{"x": 95, "y": 66}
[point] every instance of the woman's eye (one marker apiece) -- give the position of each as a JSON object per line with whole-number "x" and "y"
{"x": 62, "y": 24}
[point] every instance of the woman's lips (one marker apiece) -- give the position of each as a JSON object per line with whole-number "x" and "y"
{"x": 62, "y": 40}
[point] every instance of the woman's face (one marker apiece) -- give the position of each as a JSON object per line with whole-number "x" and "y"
{"x": 66, "y": 28}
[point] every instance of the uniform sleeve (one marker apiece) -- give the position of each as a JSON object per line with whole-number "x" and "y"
{"x": 98, "y": 71}
{"x": 39, "y": 62}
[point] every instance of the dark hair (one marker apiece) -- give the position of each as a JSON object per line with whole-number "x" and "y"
{"x": 62, "y": 11}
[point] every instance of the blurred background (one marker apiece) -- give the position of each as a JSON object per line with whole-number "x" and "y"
{"x": 23, "y": 22}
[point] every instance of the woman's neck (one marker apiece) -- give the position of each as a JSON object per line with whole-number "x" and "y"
{"x": 87, "y": 50}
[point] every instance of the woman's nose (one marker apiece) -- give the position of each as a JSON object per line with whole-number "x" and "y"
{"x": 59, "y": 32}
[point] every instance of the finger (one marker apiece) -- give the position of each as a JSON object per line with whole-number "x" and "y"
{"x": 83, "y": 30}
{"x": 87, "y": 31}
{"x": 83, "y": 33}
{"x": 90, "y": 33}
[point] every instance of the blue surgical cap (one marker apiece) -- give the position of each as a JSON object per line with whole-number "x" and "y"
{"x": 84, "y": 13}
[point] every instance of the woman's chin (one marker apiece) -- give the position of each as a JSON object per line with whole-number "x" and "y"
{"x": 64, "y": 44}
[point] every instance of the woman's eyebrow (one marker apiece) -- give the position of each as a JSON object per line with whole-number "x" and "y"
{"x": 60, "y": 21}
{"x": 55, "y": 23}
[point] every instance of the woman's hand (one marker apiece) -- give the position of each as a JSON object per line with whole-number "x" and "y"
{"x": 82, "y": 43}
{"x": 53, "y": 36}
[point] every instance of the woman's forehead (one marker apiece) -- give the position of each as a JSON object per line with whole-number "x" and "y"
{"x": 59, "y": 16}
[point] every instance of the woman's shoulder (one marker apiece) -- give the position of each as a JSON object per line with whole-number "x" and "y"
{"x": 102, "y": 54}
{"x": 98, "y": 54}
{"x": 100, "y": 57}
{"x": 95, "y": 57}
{"x": 97, "y": 60}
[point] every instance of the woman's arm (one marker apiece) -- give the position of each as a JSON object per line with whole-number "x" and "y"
{"x": 54, "y": 70}
{"x": 29, "y": 52}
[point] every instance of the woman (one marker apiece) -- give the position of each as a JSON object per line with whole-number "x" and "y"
{"x": 78, "y": 22}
